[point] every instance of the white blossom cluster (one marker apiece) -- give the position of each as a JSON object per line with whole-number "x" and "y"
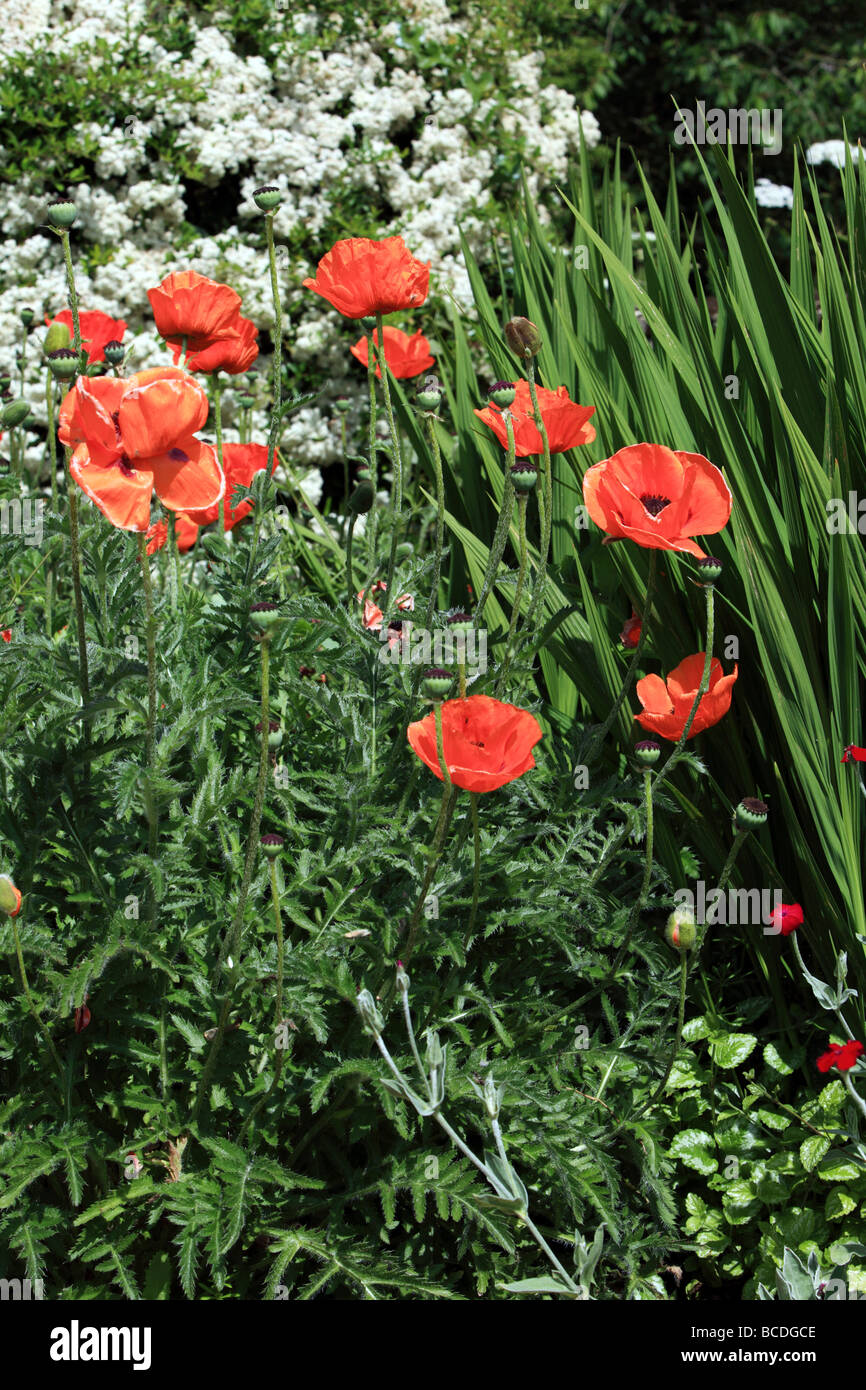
{"x": 831, "y": 152}
{"x": 773, "y": 195}
{"x": 354, "y": 120}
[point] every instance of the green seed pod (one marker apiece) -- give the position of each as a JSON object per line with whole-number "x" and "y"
{"x": 63, "y": 363}
{"x": 245, "y": 400}
{"x": 264, "y": 617}
{"x": 750, "y": 813}
{"x": 647, "y": 751}
{"x": 114, "y": 353}
{"x": 368, "y": 322}
{"x": 271, "y": 845}
{"x": 361, "y": 499}
{"x": 710, "y": 569}
{"x": 680, "y": 931}
{"x": 27, "y": 316}
{"x": 524, "y": 476}
{"x": 502, "y": 393}
{"x": 436, "y": 682}
{"x": 267, "y": 197}
{"x": 62, "y": 212}
{"x": 342, "y": 404}
{"x": 461, "y": 622}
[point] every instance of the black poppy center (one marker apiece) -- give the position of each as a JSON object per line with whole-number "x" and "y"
{"x": 655, "y": 504}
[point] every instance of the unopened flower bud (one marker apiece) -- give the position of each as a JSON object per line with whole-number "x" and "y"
{"x": 245, "y": 400}
{"x": 63, "y": 363}
{"x": 267, "y": 197}
{"x": 647, "y": 751}
{"x": 62, "y": 212}
{"x": 14, "y": 413}
{"x": 402, "y": 979}
{"x": 57, "y": 337}
{"x": 271, "y": 846}
{"x": 343, "y": 404}
{"x": 361, "y": 499}
{"x": 750, "y": 813}
{"x": 10, "y": 897}
{"x": 681, "y": 931}
{"x": 368, "y": 322}
{"x": 370, "y": 1016}
{"x": 524, "y": 476}
{"x": 502, "y": 393}
{"x": 523, "y": 337}
{"x": 437, "y": 682}
{"x": 114, "y": 353}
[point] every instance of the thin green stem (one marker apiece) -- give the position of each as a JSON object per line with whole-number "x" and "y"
{"x": 281, "y": 1051}
{"x": 75, "y": 563}
{"x": 25, "y": 985}
{"x": 638, "y": 905}
{"x": 73, "y": 297}
{"x": 476, "y": 865}
{"x": 503, "y": 523}
{"x": 432, "y": 602}
{"x": 602, "y": 731}
{"x": 218, "y": 429}
{"x": 150, "y": 734}
{"x": 547, "y": 520}
{"x": 449, "y": 796}
{"x": 702, "y": 690}
{"x": 522, "y": 502}
{"x": 397, "y": 489}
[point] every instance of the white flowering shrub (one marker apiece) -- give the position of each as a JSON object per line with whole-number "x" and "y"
{"x": 162, "y": 123}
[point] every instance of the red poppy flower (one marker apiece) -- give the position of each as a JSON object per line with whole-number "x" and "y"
{"x": 373, "y": 613}
{"x": 234, "y": 351}
{"x": 185, "y": 530}
{"x": 564, "y": 420}
{"x": 785, "y": 918}
{"x": 6, "y": 634}
{"x": 97, "y": 329}
{"x": 189, "y": 305}
{"x": 135, "y": 436}
{"x": 361, "y": 277}
{"x": 486, "y": 743}
{"x": 853, "y": 754}
{"x": 405, "y": 356}
{"x": 657, "y": 497}
{"x": 630, "y": 635}
{"x": 842, "y": 1058}
{"x": 667, "y": 705}
{"x": 241, "y": 462}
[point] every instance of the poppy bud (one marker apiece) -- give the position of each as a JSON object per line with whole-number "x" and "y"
{"x": 361, "y": 499}
{"x": 267, "y": 197}
{"x": 502, "y": 393}
{"x": 369, "y": 322}
{"x": 245, "y": 400}
{"x": 5, "y": 382}
{"x": 372, "y": 1019}
{"x": 14, "y": 412}
{"x": 114, "y": 352}
{"x": 10, "y": 897}
{"x": 402, "y": 979}
{"x": 647, "y": 751}
{"x": 436, "y": 683}
{"x": 62, "y": 212}
{"x": 272, "y": 845}
{"x": 264, "y": 617}
{"x": 710, "y": 569}
{"x": 57, "y": 337}
{"x": 27, "y": 316}
{"x": 404, "y": 550}
{"x": 63, "y": 363}
{"x": 342, "y": 404}
{"x": 523, "y": 337}
{"x": 524, "y": 476}
{"x": 750, "y": 813}
{"x": 681, "y": 931}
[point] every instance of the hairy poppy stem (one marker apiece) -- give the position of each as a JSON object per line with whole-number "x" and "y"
{"x": 397, "y": 489}
{"x": 281, "y": 1051}
{"x": 231, "y": 945}
{"x": 547, "y": 519}
{"x": 440, "y": 519}
{"x": 150, "y": 735}
{"x": 500, "y": 535}
{"x": 638, "y": 905}
{"x": 476, "y": 862}
{"x": 218, "y": 430}
{"x": 604, "y": 729}
{"x": 702, "y": 690}
{"x": 174, "y": 586}
{"x": 75, "y": 561}
{"x": 522, "y": 501}
{"x": 70, "y": 285}
{"x": 449, "y": 796}
{"x": 25, "y": 985}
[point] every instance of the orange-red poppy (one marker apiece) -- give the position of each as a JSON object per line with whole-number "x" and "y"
{"x": 485, "y": 742}
{"x": 134, "y": 436}
{"x": 185, "y": 530}
{"x": 667, "y": 705}
{"x": 657, "y": 497}
{"x": 566, "y": 422}
{"x": 6, "y": 634}
{"x": 188, "y": 305}
{"x": 241, "y": 462}
{"x": 10, "y": 896}
{"x": 406, "y": 356}
{"x": 361, "y": 277}
{"x": 97, "y": 329}
{"x": 234, "y": 351}
{"x": 373, "y": 613}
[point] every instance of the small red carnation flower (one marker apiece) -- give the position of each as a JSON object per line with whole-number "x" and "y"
{"x": 843, "y": 1057}
{"x": 786, "y": 918}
